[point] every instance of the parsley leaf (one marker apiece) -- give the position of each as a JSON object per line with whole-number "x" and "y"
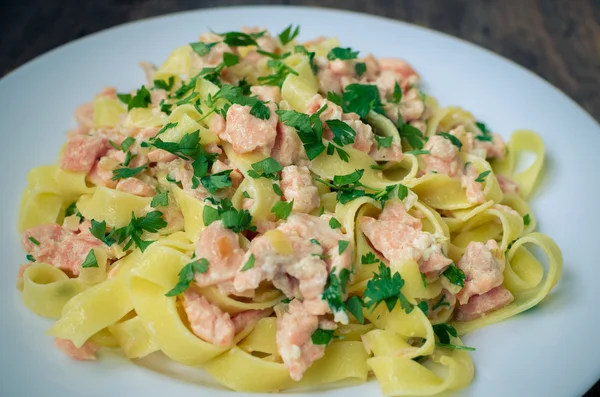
{"x": 98, "y": 230}
{"x": 361, "y": 99}
{"x": 455, "y": 275}
{"x": 440, "y": 303}
{"x": 71, "y": 209}
{"x": 161, "y": 199}
{"x": 413, "y": 135}
{"x": 234, "y": 94}
{"x": 201, "y": 48}
{"x": 309, "y": 129}
{"x": 238, "y": 39}
{"x": 384, "y": 287}
{"x": 481, "y": 177}
{"x": 282, "y": 210}
{"x": 343, "y": 134}
{"x": 334, "y": 223}
{"x": 455, "y": 141}
{"x": 151, "y": 223}
{"x": 368, "y": 259}
{"x": 322, "y": 336}
{"x": 273, "y": 55}
{"x": 90, "y": 260}
{"x": 209, "y": 215}
{"x": 30, "y": 258}
{"x": 424, "y": 307}
{"x": 140, "y": 100}
{"x": 342, "y": 245}
{"x": 244, "y": 86}
{"x": 335, "y": 289}
{"x": 354, "y": 305}
{"x": 280, "y": 73}
{"x": 383, "y": 141}
{"x": 125, "y": 98}
{"x": 164, "y": 84}
{"x": 402, "y": 191}
{"x": 443, "y": 332}
{"x": 360, "y": 68}
{"x": 247, "y": 195}
{"x": 186, "y": 275}
{"x": 216, "y": 181}
{"x": 126, "y": 144}
{"x": 249, "y": 263}
{"x": 34, "y": 241}
{"x": 315, "y": 241}
{"x": 288, "y": 34}
{"x": 277, "y": 190}
{"x": 348, "y": 179}
{"x": 484, "y": 128}
{"x": 484, "y": 138}
{"x": 311, "y": 57}
{"x": 418, "y": 152}
{"x": 342, "y": 53}
{"x": 526, "y": 219}
{"x": 397, "y": 94}
{"x": 122, "y": 173}
{"x": 236, "y": 220}
{"x": 267, "y": 168}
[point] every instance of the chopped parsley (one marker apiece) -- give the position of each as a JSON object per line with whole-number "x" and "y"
{"x": 360, "y": 68}
{"x": 383, "y": 141}
{"x": 150, "y": 223}
{"x": 90, "y": 260}
{"x": 322, "y": 336}
{"x": 484, "y": 138}
{"x": 160, "y": 200}
{"x": 34, "y": 241}
{"x": 455, "y": 275}
{"x": 443, "y": 332}
{"x": 236, "y": 220}
{"x": 140, "y": 100}
{"x": 186, "y": 275}
{"x": 212, "y": 183}
{"x": 442, "y": 302}
{"x": 311, "y": 57}
{"x": 413, "y": 135}
{"x": 246, "y": 194}
{"x": 277, "y": 189}
{"x": 342, "y": 245}
{"x": 126, "y": 144}
{"x": 343, "y": 134}
{"x": 361, "y": 99}
{"x": 418, "y": 152}
{"x": 309, "y": 129}
{"x": 334, "y": 223}
{"x": 481, "y": 177}
{"x": 280, "y": 73}
{"x": 402, "y": 191}
{"x": 526, "y": 219}
{"x": 315, "y": 241}
{"x": 123, "y": 173}
{"x": 335, "y": 289}
{"x": 249, "y": 263}
{"x": 455, "y": 141}
{"x": 384, "y": 287}
{"x": 282, "y": 210}
{"x": 342, "y": 53}
{"x": 71, "y": 209}
{"x": 235, "y": 95}
{"x": 201, "y": 48}
{"x": 355, "y": 305}
{"x": 484, "y": 128}
{"x": 424, "y": 307}
{"x": 98, "y": 230}
{"x": 368, "y": 259}
{"x": 125, "y": 98}
{"x": 30, "y": 258}
{"x": 273, "y": 55}
{"x": 267, "y": 168}
{"x": 289, "y": 34}
{"x": 397, "y": 94}
{"x": 239, "y": 39}
{"x": 165, "y": 84}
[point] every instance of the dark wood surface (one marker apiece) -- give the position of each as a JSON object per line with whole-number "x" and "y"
{"x": 557, "y": 39}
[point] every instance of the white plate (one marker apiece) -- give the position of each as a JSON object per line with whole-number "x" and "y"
{"x": 552, "y": 350}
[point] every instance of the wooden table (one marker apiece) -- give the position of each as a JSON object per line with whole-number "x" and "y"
{"x": 557, "y": 39}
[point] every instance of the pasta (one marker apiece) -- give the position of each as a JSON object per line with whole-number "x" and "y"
{"x": 284, "y": 215}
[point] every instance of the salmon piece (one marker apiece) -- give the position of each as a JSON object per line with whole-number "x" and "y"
{"x": 84, "y": 115}
{"x": 50, "y": 237}
{"x": 364, "y": 139}
{"x": 72, "y": 252}
{"x": 412, "y": 106}
{"x": 399, "y": 66}
{"x": 82, "y": 152}
{"x": 217, "y": 124}
{"x": 160, "y": 155}
{"x": 373, "y": 68}
{"x": 301, "y": 272}
{"x": 474, "y": 189}
{"x": 443, "y": 158}
{"x": 248, "y": 318}
{"x": 480, "y": 305}
{"x": 182, "y": 171}
{"x": 136, "y": 186}
{"x": 391, "y": 153}
{"x": 398, "y": 236}
{"x": 266, "y": 93}
{"x": 221, "y": 247}
{"x": 293, "y": 337}
{"x": 332, "y": 112}
{"x": 215, "y": 55}
{"x": 297, "y": 184}
{"x": 87, "y": 351}
{"x": 483, "y": 265}
{"x": 507, "y": 185}
{"x": 208, "y": 321}
{"x": 248, "y": 133}
{"x": 288, "y": 148}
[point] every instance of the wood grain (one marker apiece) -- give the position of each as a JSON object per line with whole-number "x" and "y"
{"x": 557, "y": 39}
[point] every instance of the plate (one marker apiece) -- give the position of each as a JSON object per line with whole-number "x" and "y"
{"x": 547, "y": 351}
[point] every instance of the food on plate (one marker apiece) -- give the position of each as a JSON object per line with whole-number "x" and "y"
{"x": 284, "y": 215}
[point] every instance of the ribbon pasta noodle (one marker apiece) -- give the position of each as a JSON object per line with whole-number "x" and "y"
{"x": 284, "y": 215}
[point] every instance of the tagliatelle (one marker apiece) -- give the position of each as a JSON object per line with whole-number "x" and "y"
{"x": 285, "y": 216}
